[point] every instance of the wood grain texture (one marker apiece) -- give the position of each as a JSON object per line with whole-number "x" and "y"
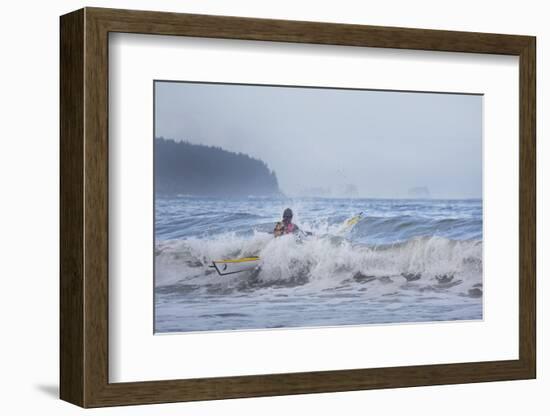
{"x": 96, "y": 208}
{"x": 162, "y": 23}
{"x": 71, "y": 158}
{"x": 528, "y": 208}
{"x": 84, "y": 207}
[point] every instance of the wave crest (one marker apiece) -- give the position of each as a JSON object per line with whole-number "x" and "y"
{"x": 322, "y": 263}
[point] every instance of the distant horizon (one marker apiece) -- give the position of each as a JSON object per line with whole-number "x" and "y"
{"x": 290, "y": 196}
{"x": 335, "y": 143}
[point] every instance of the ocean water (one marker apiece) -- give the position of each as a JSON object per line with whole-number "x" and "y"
{"x": 405, "y": 261}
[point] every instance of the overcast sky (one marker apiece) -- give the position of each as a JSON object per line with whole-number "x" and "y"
{"x": 383, "y": 143}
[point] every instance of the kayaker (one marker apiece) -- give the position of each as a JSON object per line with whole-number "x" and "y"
{"x": 286, "y": 226}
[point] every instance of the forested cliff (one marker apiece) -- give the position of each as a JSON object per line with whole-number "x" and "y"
{"x": 191, "y": 169}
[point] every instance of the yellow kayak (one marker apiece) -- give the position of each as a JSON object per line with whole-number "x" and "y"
{"x": 231, "y": 266}
{"x": 350, "y": 223}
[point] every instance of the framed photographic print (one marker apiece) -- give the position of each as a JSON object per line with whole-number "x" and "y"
{"x": 255, "y": 207}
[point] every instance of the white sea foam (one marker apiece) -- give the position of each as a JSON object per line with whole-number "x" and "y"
{"x": 324, "y": 262}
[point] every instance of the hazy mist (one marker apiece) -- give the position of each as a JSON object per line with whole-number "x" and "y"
{"x": 332, "y": 142}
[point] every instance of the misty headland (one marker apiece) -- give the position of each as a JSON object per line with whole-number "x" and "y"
{"x": 198, "y": 170}
{"x": 184, "y": 168}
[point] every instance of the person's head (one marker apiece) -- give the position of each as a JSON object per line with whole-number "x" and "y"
{"x": 287, "y": 215}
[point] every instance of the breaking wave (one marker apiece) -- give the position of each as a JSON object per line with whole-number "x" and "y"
{"x": 321, "y": 263}
{"x": 404, "y": 261}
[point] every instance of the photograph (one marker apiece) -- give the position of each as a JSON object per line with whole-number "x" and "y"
{"x": 292, "y": 206}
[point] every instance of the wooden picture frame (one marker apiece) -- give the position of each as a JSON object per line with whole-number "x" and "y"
{"x": 84, "y": 207}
